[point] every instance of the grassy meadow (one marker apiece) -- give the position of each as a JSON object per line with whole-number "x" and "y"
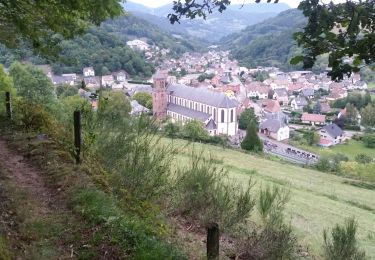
{"x": 318, "y": 200}
{"x": 350, "y": 149}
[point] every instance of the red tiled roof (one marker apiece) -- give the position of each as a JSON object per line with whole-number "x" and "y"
{"x": 313, "y": 118}
{"x": 272, "y": 106}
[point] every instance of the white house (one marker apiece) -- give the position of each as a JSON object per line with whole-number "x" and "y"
{"x": 274, "y": 128}
{"x": 88, "y": 72}
{"x": 330, "y": 135}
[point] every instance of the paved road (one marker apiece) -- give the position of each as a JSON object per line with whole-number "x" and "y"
{"x": 284, "y": 151}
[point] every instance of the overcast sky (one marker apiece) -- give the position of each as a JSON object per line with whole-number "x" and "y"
{"x": 156, "y": 3}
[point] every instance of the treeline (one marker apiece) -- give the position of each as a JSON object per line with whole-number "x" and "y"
{"x": 130, "y": 27}
{"x": 269, "y": 43}
{"x": 97, "y": 48}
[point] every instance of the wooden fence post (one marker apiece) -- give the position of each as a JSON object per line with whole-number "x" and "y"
{"x": 213, "y": 237}
{"x": 8, "y": 105}
{"x": 77, "y": 135}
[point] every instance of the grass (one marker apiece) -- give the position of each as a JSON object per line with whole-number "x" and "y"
{"x": 350, "y": 149}
{"x": 371, "y": 85}
{"x": 318, "y": 200}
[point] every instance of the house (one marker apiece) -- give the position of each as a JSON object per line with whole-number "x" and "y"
{"x": 63, "y": 80}
{"x": 308, "y": 93}
{"x": 88, "y": 72}
{"x": 275, "y": 128}
{"x": 92, "y": 82}
{"x": 325, "y": 108}
{"x": 47, "y": 70}
{"x": 271, "y": 106}
{"x": 72, "y": 75}
{"x": 181, "y": 103}
{"x": 108, "y": 80}
{"x": 313, "y": 119}
{"x": 137, "y": 108}
{"x": 138, "y": 45}
{"x": 330, "y": 135}
{"x": 120, "y": 76}
{"x": 281, "y": 95}
{"x": 299, "y": 103}
{"x": 257, "y": 90}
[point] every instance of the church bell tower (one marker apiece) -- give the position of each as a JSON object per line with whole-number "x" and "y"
{"x": 160, "y": 97}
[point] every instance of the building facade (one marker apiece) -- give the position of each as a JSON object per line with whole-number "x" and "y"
{"x": 181, "y": 103}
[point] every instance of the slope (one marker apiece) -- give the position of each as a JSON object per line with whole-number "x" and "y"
{"x": 217, "y": 25}
{"x": 318, "y": 200}
{"x": 269, "y": 43}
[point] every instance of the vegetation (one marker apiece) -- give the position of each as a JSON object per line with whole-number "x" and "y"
{"x": 369, "y": 140}
{"x": 205, "y": 76}
{"x": 252, "y": 142}
{"x": 269, "y": 43}
{"x": 343, "y": 244}
{"x": 368, "y": 115}
{"x": 144, "y": 98}
{"x": 246, "y": 117}
{"x": 35, "y": 23}
{"x": 317, "y": 200}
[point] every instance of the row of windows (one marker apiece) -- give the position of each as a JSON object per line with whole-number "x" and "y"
{"x": 201, "y": 107}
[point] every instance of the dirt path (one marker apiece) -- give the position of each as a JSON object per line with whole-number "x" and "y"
{"x": 25, "y": 176}
{"x": 28, "y": 209}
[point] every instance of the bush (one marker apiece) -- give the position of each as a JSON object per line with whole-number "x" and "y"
{"x": 204, "y": 193}
{"x": 130, "y": 148}
{"x": 343, "y": 242}
{"x": 275, "y": 240}
{"x": 33, "y": 116}
{"x": 369, "y": 140}
{"x": 252, "y": 142}
{"x": 352, "y": 127}
{"x": 363, "y": 158}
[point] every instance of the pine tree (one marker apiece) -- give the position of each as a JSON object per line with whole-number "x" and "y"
{"x": 252, "y": 141}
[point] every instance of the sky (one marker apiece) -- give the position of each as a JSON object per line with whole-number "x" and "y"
{"x": 157, "y": 3}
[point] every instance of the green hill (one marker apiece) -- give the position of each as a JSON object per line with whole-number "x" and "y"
{"x": 269, "y": 43}
{"x": 318, "y": 200}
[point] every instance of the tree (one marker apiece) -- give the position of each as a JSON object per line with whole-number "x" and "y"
{"x": 144, "y": 98}
{"x": 6, "y": 85}
{"x": 252, "y": 142}
{"x": 343, "y": 242}
{"x": 311, "y": 137}
{"x": 36, "y": 21}
{"x": 171, "y": 129}
{"x": 368, "y": 115}
{"x": 317, "y": 108}
{"x": 246, "y": 117}
{"x": 194, "y": 130}
{"x": 32, "y": 84}
{"x": 351, "y": 114}
{"x": 66, "y": 91}
{"x": 114, "y": 106}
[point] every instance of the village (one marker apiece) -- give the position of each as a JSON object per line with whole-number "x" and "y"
{"x": 213, "y": 89}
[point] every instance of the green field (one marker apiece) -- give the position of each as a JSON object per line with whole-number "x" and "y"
{"x": 318, "y": 200}
{"x": 350, "y": 149}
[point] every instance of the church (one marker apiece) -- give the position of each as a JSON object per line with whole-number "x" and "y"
{"x": 181, "y": 103}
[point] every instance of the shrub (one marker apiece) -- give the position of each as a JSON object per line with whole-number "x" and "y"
{"x": 275, "y": 240}
{"x": 205, "y": 193}
{"x": 369, "y": 140}
{"x": 363, "y": 158}
{"x": 32, "y": 116}
{"x": 195, "y": 131}
{"x": 130, "y": 148}
{"x": 343, "y": 242}
{"x": 323, "y": 164}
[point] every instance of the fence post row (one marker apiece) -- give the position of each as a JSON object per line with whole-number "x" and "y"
{"x": 8, "y": 105}
{"x": 77, "y": 136}
{"x": 213, "y": 241}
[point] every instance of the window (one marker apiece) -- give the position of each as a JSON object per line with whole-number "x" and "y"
{"x": 208, "y": 109}
{"x": 222, "y": 115}
{"x": 215, "y": 114}
{"x": 185, "y": 103}
{"x": 202, "y": 108}
{"x": 231, "y": 116}
{"x": 196, "y": 106}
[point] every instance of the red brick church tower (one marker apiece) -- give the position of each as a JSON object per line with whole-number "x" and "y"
{"x": 160, "y": 97}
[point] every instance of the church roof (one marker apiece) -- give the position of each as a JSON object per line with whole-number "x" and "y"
{"x": 198, "y": 115}
{"x": 202, "y": 95}
{"x": 211, "y": 125}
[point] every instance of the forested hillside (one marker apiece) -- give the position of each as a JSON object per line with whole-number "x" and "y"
{"x": 269, "y": 43}
{"x": 105, "y": 48}
{"x": 216, "y": 26}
